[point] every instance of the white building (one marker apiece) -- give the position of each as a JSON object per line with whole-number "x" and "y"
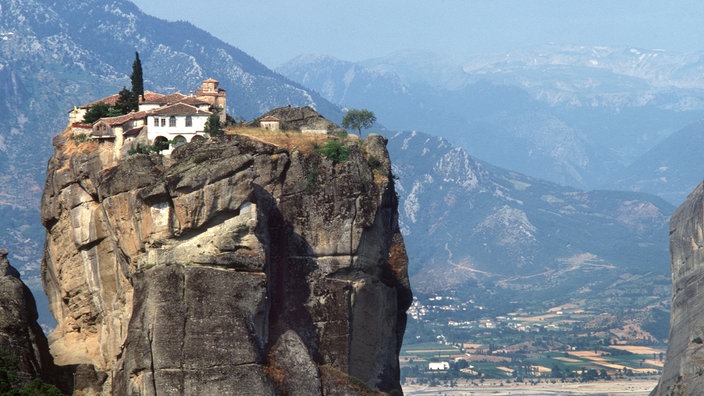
{"x": 438, "y": 366}
{"x": 177, "y": 122}
{"x": 270, "y": 122}
{"x": 175, "y": 118}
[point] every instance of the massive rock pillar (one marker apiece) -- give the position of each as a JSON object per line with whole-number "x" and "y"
{"x": 232, "y": 267}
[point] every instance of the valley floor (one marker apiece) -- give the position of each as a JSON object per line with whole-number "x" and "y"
{"x": 634, "y": 387}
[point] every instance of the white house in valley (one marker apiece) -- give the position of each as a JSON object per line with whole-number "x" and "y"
{"x": 438, "y": 366}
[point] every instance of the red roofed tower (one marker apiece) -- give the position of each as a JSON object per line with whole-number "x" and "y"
{"x": 217, "y": 97}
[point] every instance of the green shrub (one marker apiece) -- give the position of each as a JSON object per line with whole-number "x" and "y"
{"x": 374, "y": 162}
{"x": 79, "y": 137}
{"x": 10, "y": 383}
{"x": 335, "y": 151}
{"x": 142, "y": 149}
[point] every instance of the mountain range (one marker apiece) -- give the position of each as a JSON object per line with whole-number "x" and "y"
{"x": 574, "y": 115}
{"x": 468, "y": 224}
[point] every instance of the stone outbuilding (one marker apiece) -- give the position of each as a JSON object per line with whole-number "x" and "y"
{"x": 270, "y": 122}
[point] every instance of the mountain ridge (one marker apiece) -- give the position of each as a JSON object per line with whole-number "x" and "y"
{"x": 574, "y": 115}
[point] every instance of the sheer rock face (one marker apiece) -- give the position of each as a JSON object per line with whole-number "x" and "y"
{"x": 20, "y": 334}
{"x": 683, "y": 373}
{"x": 232, "y": 267}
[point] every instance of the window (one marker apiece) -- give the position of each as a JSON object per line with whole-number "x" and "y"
{"x": 189, "y": 121}
{"x": 156, "y": 122}
{"x": 163, "y": 122}
{"x": 172, "y": 121}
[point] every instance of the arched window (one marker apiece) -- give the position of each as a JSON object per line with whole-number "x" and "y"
{"x": 172, "y": 121}
{"x": 178, "y": 140}
{"x": 161, "y": 143}
{"x": 197, "y": 138}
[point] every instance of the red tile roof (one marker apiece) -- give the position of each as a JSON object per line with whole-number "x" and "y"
{"x": 166, "y": 99}
{"x": 133, "y": 132}
{"x": 112, "y": 99}
{"x": 269, "y": 118}
{"x": 109, "y": 100}
{"x": 119, "y": 120}
{"x": 149, "y": 95}
{"x": 201, "y": 92}
{"x": 193, "y": 101}
{"x": 178, "y": 109}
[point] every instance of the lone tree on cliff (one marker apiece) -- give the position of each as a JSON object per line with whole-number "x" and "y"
{"x": 358, "y": 119}
{"x": 213, "y": 127}
{"x": 137, "y": 82}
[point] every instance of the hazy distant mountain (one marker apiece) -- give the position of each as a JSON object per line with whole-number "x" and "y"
{"x": 54, "y": 55}
{"x": 572, "y": 115}
{"x": 672, "y": 169}
{"x": 505, "y": 240}
{"x": 464, "y": 214}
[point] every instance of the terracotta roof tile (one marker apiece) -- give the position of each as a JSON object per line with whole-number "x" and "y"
{"x": 133, "y": 131}
{"x": 166, "y": 99}
{"x": 119, "y": 120}
{"x": 178, "y": 109}
{"x": 109, "y": 100}
{"x": 193, "y": 101}
{"x": 112, "y": 99}
{"x": 201, "y": 92}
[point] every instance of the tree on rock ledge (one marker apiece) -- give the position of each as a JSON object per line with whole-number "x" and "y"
{"x": 137, "y": 81}
{"x": 358, "y": 119}
{"x": 213, "y": 127}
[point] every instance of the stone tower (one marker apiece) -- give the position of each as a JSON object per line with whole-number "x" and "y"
{"x": 217, "y": 97}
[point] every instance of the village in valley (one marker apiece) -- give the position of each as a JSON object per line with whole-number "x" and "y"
{"x": 464, "y": 342}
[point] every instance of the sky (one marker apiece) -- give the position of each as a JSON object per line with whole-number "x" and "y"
{"x": 275, "y": 31}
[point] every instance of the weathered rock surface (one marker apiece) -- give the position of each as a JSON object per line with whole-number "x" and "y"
{"x": 233, "y": 267}
{"x": 20, "y": 334}
{"x": 683, "y": 373}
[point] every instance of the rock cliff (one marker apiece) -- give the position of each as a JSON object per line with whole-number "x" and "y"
{"x": 232, "y": 267}
{"x": 683, "y": 373}
{"x": 21, "y": 338}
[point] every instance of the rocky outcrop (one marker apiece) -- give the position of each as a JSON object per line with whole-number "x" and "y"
{"x": 232, "y": 267}
{"x": 21, "y": 338}
{"x": 683, "y": 373}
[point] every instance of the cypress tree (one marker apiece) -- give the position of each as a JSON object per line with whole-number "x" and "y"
{"x": 137, "y": 81}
